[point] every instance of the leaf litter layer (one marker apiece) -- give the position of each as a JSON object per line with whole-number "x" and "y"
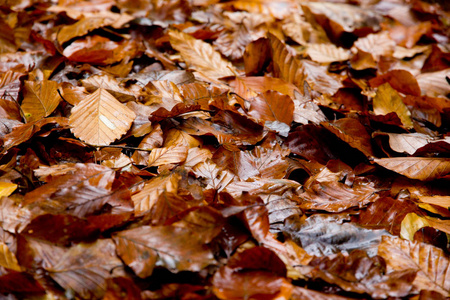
{"x": 215, "y": 149}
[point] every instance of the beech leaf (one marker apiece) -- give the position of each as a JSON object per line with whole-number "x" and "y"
{"x": 431, "y": 264}
{"x": 8, "y": 259}
{"x": 100, "y": 119}
{"x": 387, "y": 100}
{"x": 201, "y": 56}
{"x": 422, "y": 168}
{"x": 40, "y": 99}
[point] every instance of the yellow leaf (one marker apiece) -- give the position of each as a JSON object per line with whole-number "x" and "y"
{"x": 40, "y": 99}
{"x": 7, "y": 188}
{"x": 413, "y": 222}
{"x": 8, "y": 259}
{"x": 387, "y": 100}
{"x": 100, "y": 119}
{"x": 201, "y": 56}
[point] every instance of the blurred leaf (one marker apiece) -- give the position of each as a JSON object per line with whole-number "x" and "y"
{"x": 434, "y": 84}
{"x": 8, "y": 259}
{"x": 7, "y": 188}
{"x": 421, "y": 168}
{"x": 40, "y": 99}
{"x": 278, "y": 9}
{"x": 326, "y": 53}
{"x": 431, "y": 264}
{"x": 387, "y": 100}
{"x": 400, "y": 80}
{"x": 84, "y": 268}
{"x": 201, "y": 56}
{"x": 100, "y": 119}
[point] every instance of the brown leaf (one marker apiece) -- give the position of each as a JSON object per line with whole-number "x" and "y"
{"x": 327, "y": 53}
{"x": 84, "y": 268}
{"x": 148, "y": 195}
{"x": 277, "y": 9}
{"x": 400, "y": 80}
{"x": 82, "y": 191}
{"x": 100, "y": 119}
{"x": 413, "y": 222}
{"x": 431, "y": 264}
{"x": 334, "y": 196}
{"x": 352, "y": 132}
{"x": 434, "y": 84}
{"x": 167, "y": 155}
{"x": 422, "y": 168}
{"x": 272, "y": 107}
{"x": 8, "y": 259}
{"x": 201, "y": 56}
{"x": 184, "y": 251}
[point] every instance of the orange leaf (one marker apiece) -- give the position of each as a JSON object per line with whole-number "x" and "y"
{"x": 387, "y": 100}
{"x": 40, "y": 99}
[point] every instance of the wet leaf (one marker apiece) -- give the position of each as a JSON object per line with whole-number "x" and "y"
{"x": 431, "y": 264}
{"x": 422, "y": 168}
{"x": 84, "y": 268}
{"x": 413, "y": 222}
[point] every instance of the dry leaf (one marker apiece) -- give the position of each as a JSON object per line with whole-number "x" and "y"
{"x": 327, "y": 53}
{"x": 100, "y": 119}
{"x": 201, "y": 56}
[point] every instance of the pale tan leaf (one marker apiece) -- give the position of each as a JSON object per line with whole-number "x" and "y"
{"x": 201, "y": 56}
{"x": 319, "y": 79}
{"x": 402, "y": 52}
{"x": 388, "y": 100}
{"x": 377, "y": 44}
{"x": 349, "y": 17}
{"x": 197, "y": 155}
{"x": 40, "y": 99}
{"x": 327, "y": 53}
{"x": 443, "y": 201}
{"x": 167, "y": 155}
{"x": 215, "y": 177}
{"x": 306, "y": 111}
{"x": 147, "y": 197}
{"x": 413, "y": 222}
{"x": 100, "y": 119}
{"x": 407, "y": 142}
{"x": 152, "y": 140}
{"x": 279, "y": 9}
{"x": 121, "y": 162}
{"x": 422, "y": 168}
{"x": 165, "y": 94}
{"x": 304, "y": 29}
{"x": 113, "y": 86}
{"x": 7, "y": 188}
{"x": 8, "y": 259}
{"x": 434, "y": 84}
{"x": 433, "y": 267}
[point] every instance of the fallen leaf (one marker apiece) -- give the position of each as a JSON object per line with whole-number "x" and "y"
{"x": 431, "y": 264}
{"x": 422, "y": 168}
{"x": 387, "y": 100}
{"x": 201, "y": 56}
{"x": 413, "y": 222}
{"x": 40, "y": 99}
{"x": 100, "y": 119}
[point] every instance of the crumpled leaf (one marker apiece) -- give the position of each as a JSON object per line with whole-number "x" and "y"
{"x": 422, "y": 168}
{"x": 362, "y": 274}
{"x": 201, "y": 56}
{"x": 322, "y": 235}
{"x": 431, "y": 264}
{"x": 216, "y": 177}
{"x": 84, "y": 268}
{"x": 40, "y": 99}
{"x": 387, "y": 100}
{"x": 100, "y": 119}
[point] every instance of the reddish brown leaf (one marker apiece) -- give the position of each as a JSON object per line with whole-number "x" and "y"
{"x": 422, "y": 168}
